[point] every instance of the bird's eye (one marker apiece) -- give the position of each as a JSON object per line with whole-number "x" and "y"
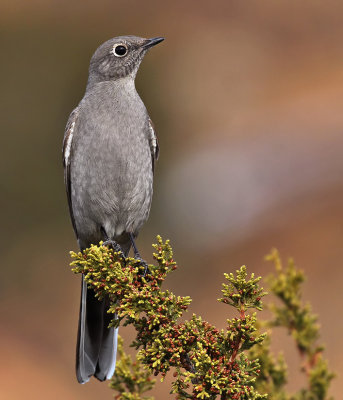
{"x": 120, "y": 50}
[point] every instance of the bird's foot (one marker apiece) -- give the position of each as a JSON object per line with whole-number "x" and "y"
{"x": 115, "y": 246}
{"x": 138, "y": 257}
{"x": 143, "y": 266}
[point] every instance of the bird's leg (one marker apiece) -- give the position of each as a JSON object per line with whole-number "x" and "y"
{"x": 109, "y": 242}
{"x": 138, "y": 256}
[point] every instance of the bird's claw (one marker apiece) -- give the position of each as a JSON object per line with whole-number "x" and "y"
{"x": 144, "y": 265}
{"x": 115, "y": 246}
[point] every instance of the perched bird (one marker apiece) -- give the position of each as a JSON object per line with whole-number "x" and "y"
{"x": 109, "y": 152}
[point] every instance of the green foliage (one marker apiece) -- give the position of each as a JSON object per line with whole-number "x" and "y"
{"x": 233, "y": 363}
{"x": 297, "y": 318}
{"x": 292, "y": 314}
{"x": 131, "y": 379}
{"x": 207, "y": 363}
{"x": 240, "y": 293}
{"x": 273, "y": 376}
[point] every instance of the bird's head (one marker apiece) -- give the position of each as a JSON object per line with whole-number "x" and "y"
{"x": 119, "y": 57}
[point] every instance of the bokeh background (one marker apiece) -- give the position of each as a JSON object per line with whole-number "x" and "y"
{"x": 247, "y": 100}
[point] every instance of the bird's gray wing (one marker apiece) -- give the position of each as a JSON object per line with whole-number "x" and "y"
{"x": 153, "y": 143}
{"x": 67, "y": 155}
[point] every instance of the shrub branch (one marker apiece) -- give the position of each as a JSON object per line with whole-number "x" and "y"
{"x": 208, "y": 363}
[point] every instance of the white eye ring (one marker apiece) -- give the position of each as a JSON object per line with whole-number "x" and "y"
{"x": 116, "y": 48}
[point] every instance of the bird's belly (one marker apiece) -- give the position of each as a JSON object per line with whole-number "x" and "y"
{"x": 124, "y": 203}
{"x": 113, "y": 190}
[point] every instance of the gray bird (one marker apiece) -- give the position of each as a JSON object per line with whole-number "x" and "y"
{"x": 109, "y": 152}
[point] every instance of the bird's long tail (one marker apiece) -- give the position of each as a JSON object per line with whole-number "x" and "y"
{"x": 96, "y": 343}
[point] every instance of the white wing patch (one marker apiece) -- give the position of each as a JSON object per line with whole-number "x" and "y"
{"x": 68, "y": 145}
{"x": 153, "y": 138}
{"x": 153, "y": 143}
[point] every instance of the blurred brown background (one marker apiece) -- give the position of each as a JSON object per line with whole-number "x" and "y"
{"x": 247, "y": 100}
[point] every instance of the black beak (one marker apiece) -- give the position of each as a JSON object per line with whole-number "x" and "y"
{"x": 152, "y": 42}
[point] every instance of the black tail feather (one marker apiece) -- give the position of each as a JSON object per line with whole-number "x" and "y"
{"x": 96, "y": 343}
